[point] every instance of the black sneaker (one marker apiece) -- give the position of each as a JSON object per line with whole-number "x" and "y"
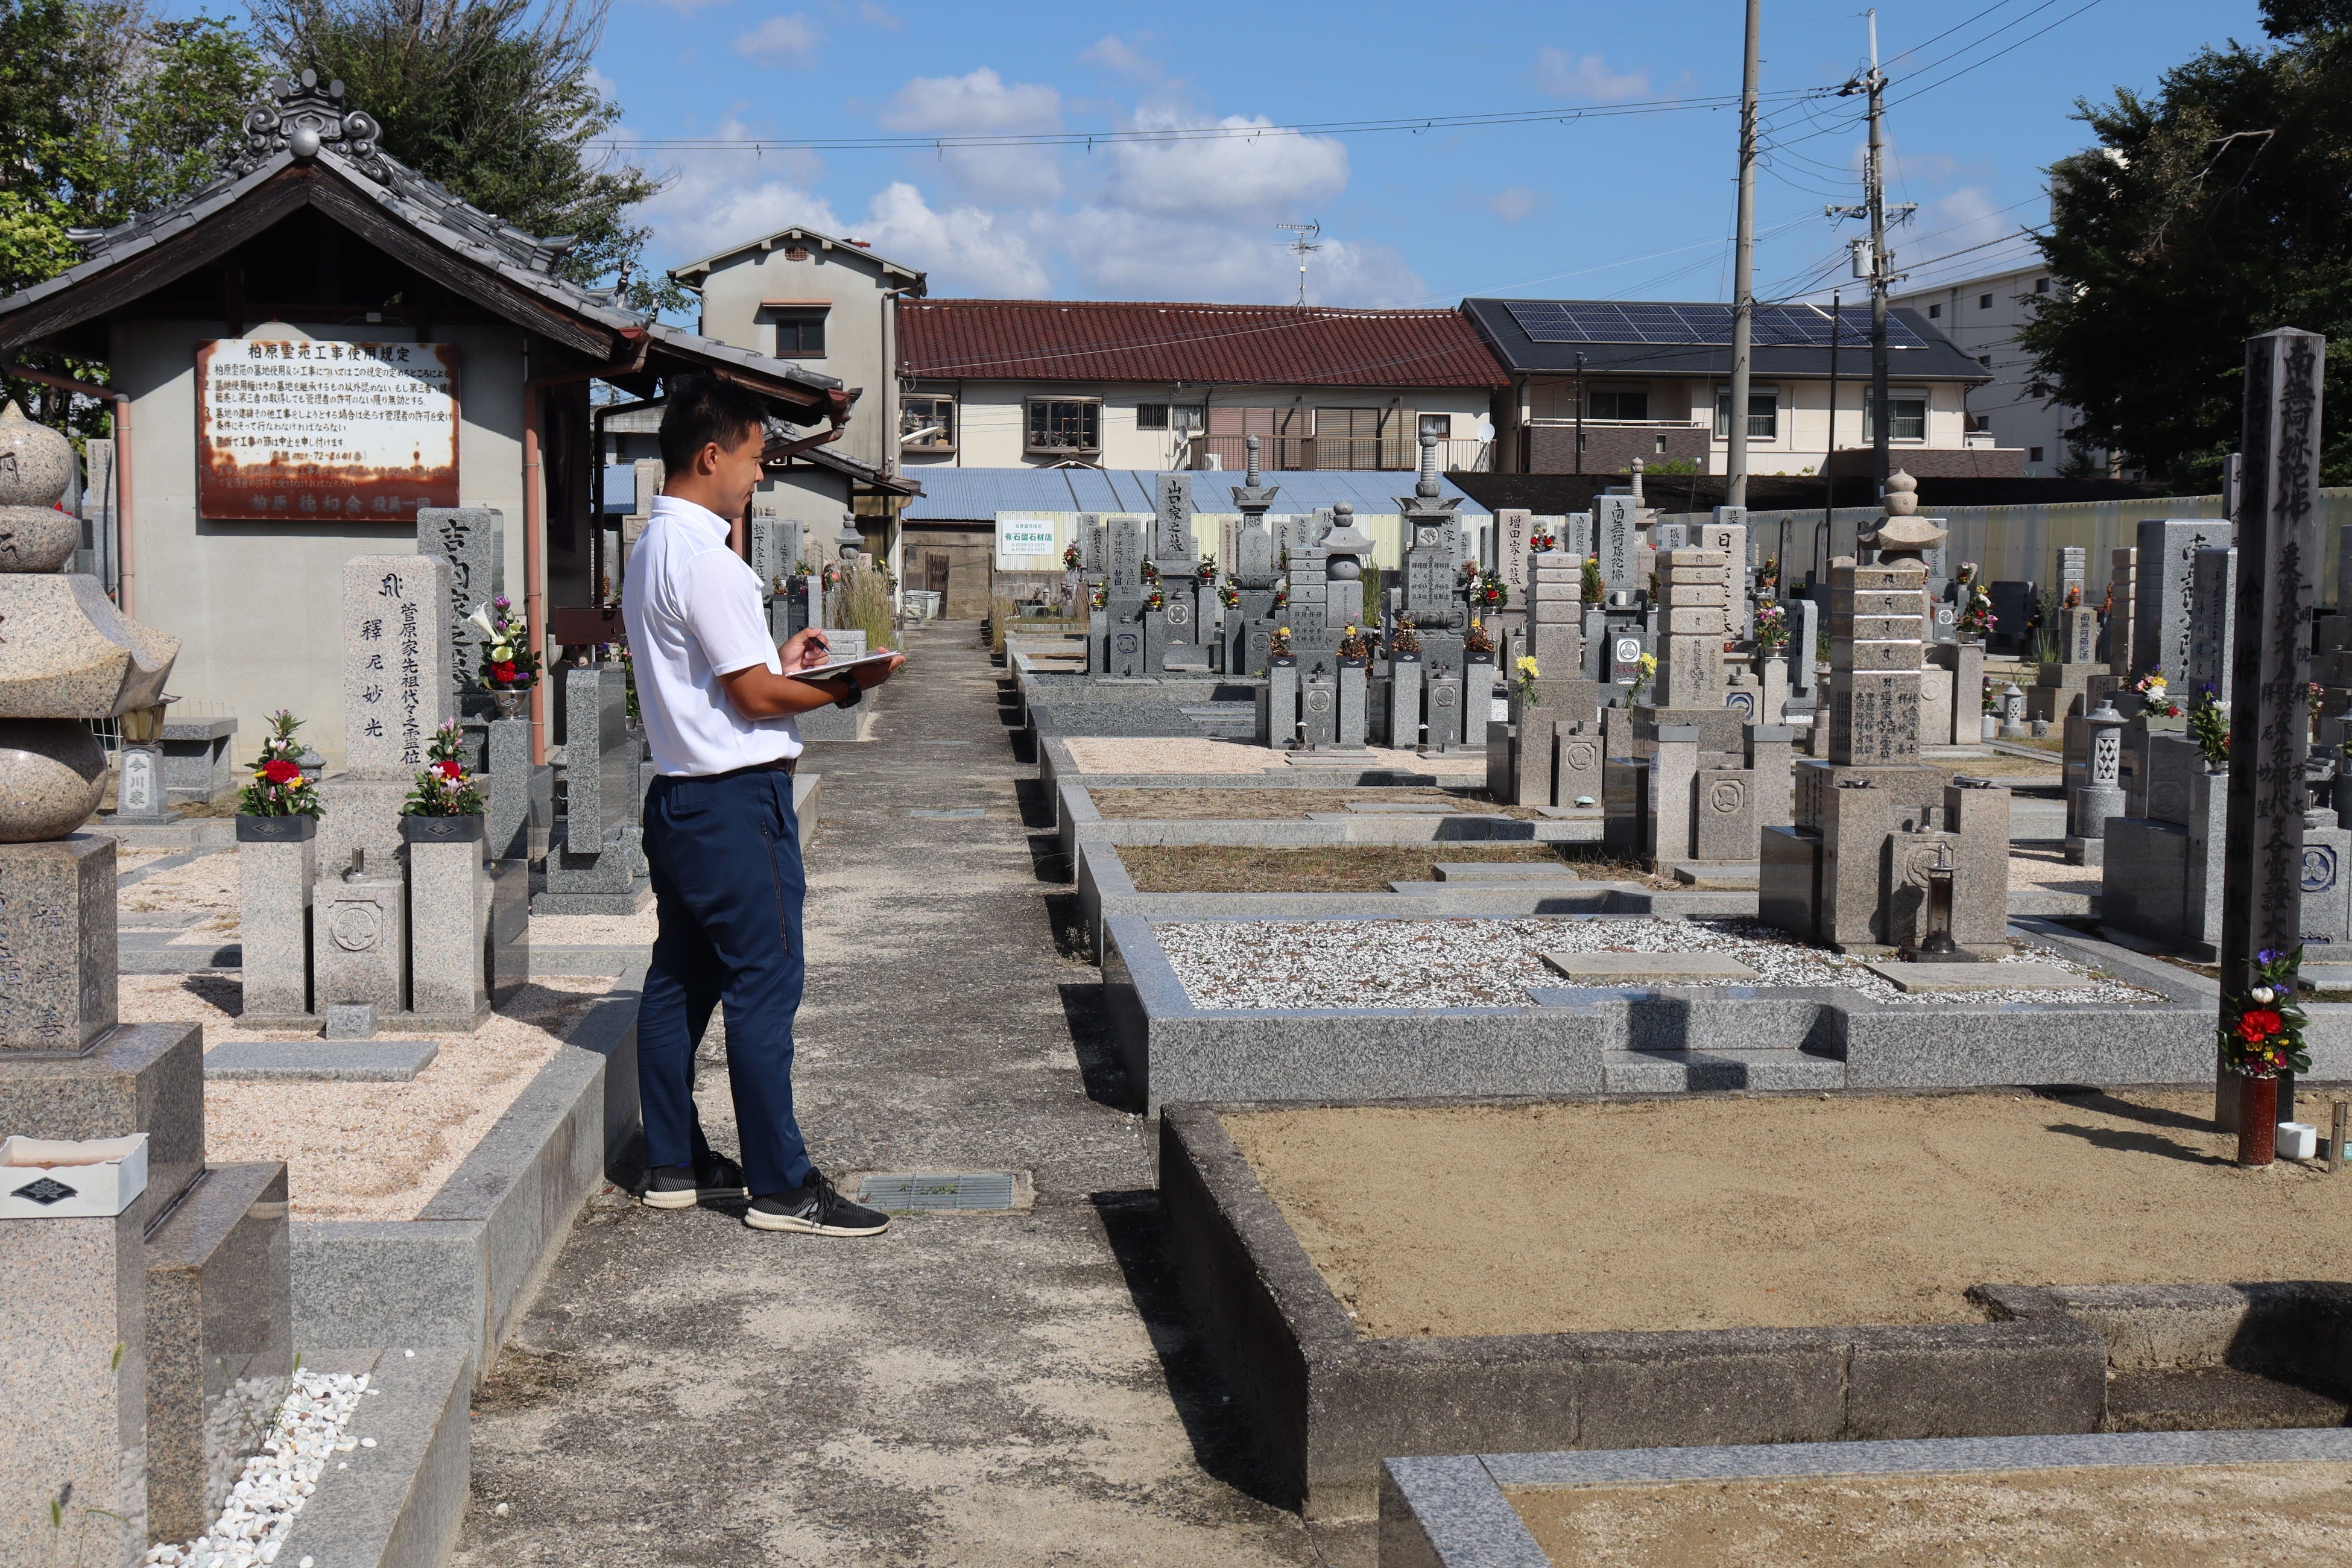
{"x": 683, "y": 1186}
{"x": 816, "y": 1208}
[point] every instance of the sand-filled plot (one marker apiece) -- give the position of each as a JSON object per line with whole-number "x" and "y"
{"x": 1328, "y": 869}
{"x": 1205, "y": 754}
{"x": 1775, "y": 1212}
{"x": 1288, "y": 804}
{"x": 2190, "y": 1516}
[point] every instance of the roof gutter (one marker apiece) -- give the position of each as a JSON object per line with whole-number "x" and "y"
{"x": 121, "y": 401}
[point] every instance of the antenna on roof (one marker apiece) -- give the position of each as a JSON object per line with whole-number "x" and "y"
{"x": 1303, "y": 246}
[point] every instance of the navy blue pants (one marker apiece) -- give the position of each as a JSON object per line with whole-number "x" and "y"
{"x": 725, "y": 854}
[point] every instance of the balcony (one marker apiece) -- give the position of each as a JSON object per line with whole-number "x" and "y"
{"x": 1300, "y": 453}
{"x": 1611, "y": 445}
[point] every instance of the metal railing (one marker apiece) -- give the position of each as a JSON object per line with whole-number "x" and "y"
{"x": 1305, "y": 453}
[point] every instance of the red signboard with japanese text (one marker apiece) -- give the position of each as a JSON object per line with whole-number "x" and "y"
{"x": 296, "y": 431}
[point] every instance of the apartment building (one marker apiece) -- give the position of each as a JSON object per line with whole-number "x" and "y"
{"x": 1593, "y": 385}
{"x": 1982, "y": 317}
{"x": 1003, "y": 383}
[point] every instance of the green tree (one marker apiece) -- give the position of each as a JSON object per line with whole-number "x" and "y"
{"x": 493, "y": 99}
{"x": 2212, "y": 210}
{"x": 106, "y": 109}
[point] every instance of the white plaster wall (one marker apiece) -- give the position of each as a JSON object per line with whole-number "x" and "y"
{"x": 859, "y": 336}
{"x": 257, "y": 605}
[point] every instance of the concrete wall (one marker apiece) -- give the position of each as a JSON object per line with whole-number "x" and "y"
{"x": 257, "y": 605}
{"x": 860, "y": 339}
{"x": 992, "y": 417}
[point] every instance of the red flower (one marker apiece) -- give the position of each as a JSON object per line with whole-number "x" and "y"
{"x": 2258, "y": 1024}
{"x": 279, "y": 771}
{"x": 502, "y": 673}
{"x": 449, "y": 770}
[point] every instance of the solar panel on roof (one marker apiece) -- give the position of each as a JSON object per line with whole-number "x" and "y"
{"x": 1775, "y": 326}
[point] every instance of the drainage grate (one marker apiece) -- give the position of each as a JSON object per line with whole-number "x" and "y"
{"x": 965, "y": 1190}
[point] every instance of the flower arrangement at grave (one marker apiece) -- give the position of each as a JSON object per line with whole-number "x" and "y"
{"x": 1406, "y": 639}
{"x": 1278, "y": 647}
{"x": 1543, "y": 539}
{"x": 508, "y": 662}
{"x": 1154, "y": 599}
{"x": 444, "y": 788}
{"x": 2209, "y": 726}
{"x": 279, "y": 787}
{"x": 1229, "y": 592}
{"x": 2262, "y": 1031}
{"x": 1478, "y": 639}
{"x": 1150, "y": 574}
{"x": 2315, "y": 697}
{"x": 1207, "y": 570}
{"x": 1355, "y": 643}
{"x": 2156, "y": 695}
{"x": 1646, "y": 669}
{"x": 1976, "y": 616}
{"x": 2073, "y": 598}
{"x": 1488, "y": 591}
{"x": 1589, "y": 581}
{"x": 1101, "y": 595}
{"x": 1771, "y": 629}
{"x": 1768, "y": 577}
{"x": 1282, "y": 597}
{"x": 1523, "y": 675}
{"x": 1073, "y": 559}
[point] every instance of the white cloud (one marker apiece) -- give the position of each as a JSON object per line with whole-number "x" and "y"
{"x": 965, "y": 249}
{"x": 688, "y": 7}
{"x": 982, "y": 103}
{"x": 874, "y": 16}
{"x": 1119, "y": 254}
{"x": 1563, "y": 75}
{"x": 1513, "y": 202}
{"x": 778, "y": 41}
{"x": 1124, "y": 56}
{"x": 715, "y": 199}
{"x": 1271, "y": 174}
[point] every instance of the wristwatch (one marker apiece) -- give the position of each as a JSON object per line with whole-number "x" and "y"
{"x": 856, "y": 693}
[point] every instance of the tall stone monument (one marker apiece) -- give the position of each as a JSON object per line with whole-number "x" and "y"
{"x": 397, "y": 691}
{"x": 1173, "y": 553}
{"x": 1255, "y": 567}
{"x": 1433, "y": 556}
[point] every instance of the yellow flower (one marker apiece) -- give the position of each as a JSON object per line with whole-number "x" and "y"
{"x": 1527, "y": 667}
{"x": 1285, "y": 630}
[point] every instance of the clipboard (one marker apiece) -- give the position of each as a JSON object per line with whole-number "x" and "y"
{"x": 843, "y": 666}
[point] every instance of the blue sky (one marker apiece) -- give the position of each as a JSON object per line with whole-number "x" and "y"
{"x": 1629, "y": 205}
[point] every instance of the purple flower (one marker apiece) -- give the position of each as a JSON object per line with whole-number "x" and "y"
{"x": 2267, "y": 956}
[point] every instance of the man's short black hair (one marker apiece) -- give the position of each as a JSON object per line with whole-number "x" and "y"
{"x": 701, "y": 409}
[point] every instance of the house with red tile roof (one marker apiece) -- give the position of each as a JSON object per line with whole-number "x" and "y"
{"x": 1149, "y": 385}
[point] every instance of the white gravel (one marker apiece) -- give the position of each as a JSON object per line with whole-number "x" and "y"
{"x": 278, "y": 1481}
{"x": 1377, "y": 963}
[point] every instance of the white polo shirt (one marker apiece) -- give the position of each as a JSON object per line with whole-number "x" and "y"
{"x": 692, "y": 608}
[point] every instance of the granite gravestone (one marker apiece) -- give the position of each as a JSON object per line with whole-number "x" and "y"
{"x": 398, "y": 690}
{"x": 2213, "y": 605}
{"x": 1173, "y": 553}
{"x": 1728, "y": 533}
{"x": 2164, "y": 582}
{"x": 472, "y": 540}
{"x": 597, "y": 870}
{"x": 1126, "y": 646}
{"x": 2123, "y": 600}
{"x": 1618, "y": 517}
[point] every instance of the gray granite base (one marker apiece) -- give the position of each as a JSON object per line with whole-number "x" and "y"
{"x": 636, "y": 900}
{"x": 401, "y": 1503}
{"x": 1577, "y": 1041}
{"x": 423, "y": 1023}
{"x": 1452, "y": 1512}
{"x": 317, "y": 1062}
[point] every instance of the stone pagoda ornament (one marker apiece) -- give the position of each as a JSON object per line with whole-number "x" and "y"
{"x": 67, "y": 654}
{"x": 1903, "y": 534}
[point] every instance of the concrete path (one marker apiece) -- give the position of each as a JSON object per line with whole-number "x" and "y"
{"x": 965, "y": 1389}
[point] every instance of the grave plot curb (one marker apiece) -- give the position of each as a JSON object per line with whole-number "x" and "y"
{"x": 1328, "y": 1405}
{"x": 462, "y": 1273}
{"x": 1055, "y": 763}
{"x": 402, "y": 1503}
{"x": 1576, "y": 1042}
{"x": 1452, "y": 1512}
{"x": 1081, "y": 824}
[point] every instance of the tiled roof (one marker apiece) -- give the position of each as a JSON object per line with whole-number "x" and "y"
{"x": 1288, "y": 346}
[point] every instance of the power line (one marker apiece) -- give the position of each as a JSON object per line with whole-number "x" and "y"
{"x": 1092, "y": 139}
{"x": 1998, "y": 53}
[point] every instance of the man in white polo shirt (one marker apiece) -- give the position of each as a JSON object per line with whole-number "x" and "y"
{"x": 720, "y": 837}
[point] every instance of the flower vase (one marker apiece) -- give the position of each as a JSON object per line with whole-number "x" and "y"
{"x": 510, "y": 699}
{"x": 2257, "y": 1121}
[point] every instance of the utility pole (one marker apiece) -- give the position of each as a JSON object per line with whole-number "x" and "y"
{"x": 1829, "y": 457}
{"x": 1877, "y": 266}
{"x": 1743, "y": 269}
{"x": 1580, "y": 414}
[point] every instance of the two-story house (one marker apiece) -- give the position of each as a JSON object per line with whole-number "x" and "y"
{"x": 1004, "y": 383}
{"x": 1593, "y": 385}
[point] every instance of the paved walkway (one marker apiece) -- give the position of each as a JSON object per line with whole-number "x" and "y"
{"x": 965, "y": 1389}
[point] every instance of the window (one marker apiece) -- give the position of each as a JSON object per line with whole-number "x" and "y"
{"x": 1186, "y": 417}
{"x": 1763, "y": 413}
{"x": 2041, "y": 286}
{"x": 1985, "y": 359}
{"x": 1632, "y": 406}
{"x": 1935, "y": 312}
{"x": 1910, "y": 421}
{"x": 1984, "y": 301}
{"x": 2033, "y": 454}
{"x": 800, "y": 332}
{"x": 927, "y": 425}
{"x": 1064, "y": 425}
{"x": 1438, "y": 425}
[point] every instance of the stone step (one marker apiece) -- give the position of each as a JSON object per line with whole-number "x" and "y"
{"x": 320, "y": 1061}
{"x": 185, "y": 959}
{"x": 1503, "y": 872}
{"x": 2220, "y": 1398}
{"x": 1681, "y": 1072}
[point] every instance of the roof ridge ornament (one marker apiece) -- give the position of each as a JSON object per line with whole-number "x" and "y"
{"x": 302, "y": 119}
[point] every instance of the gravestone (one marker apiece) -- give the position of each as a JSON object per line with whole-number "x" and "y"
{"x": 597, "y": 867}
{"x": 472, "y": 540}
{"x": 2213, "y": 591}
{"x": 2123, "y": 600}
{"x": 2164, "y": 577}
{"x": 397, "y": 692}
{"x": 1728, "y": 533}
{"x": 2277, "y": 518}
{"x": 360, "y": 940}
{"x": 2013, "y": 604}
{"x": 139, "y": 785}
{"x": 1875, "y": 645}
{"x": 1618, "y": 517}
{"x": 2073, "y": 572}
{"x": 1173, "y": 553}
{"x": 1126, "y": 648}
